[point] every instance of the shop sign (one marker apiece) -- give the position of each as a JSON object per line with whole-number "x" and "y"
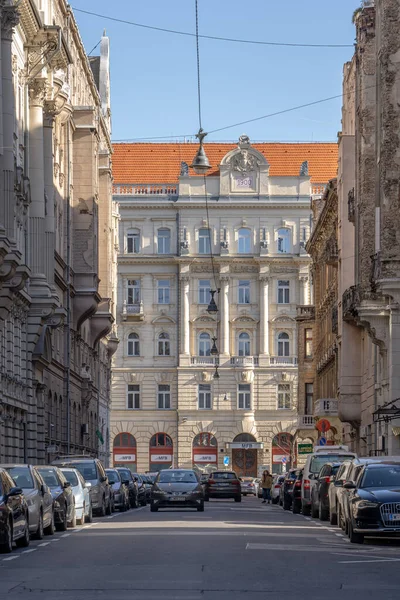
{"x": 205, "y": 458}
{"x": 305, "y": 448}
{"x": 161, "y": 458}
{"x": 125, "y": 457}
{"x": 245, "y": 445}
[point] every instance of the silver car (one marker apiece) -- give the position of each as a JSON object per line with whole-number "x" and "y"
{"x": 38, "y": 497}
{"x": 83, "y": 503}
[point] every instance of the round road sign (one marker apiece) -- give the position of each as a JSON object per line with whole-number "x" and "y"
{"x": 323, "y": 425}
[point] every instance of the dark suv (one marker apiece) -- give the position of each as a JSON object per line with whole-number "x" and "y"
{"x": 287, "y": 489}
{"x": 320, "y": 492}
{"x": 223, "y": 484}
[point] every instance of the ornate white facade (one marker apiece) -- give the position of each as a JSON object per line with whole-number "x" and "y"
{"x": 167, "y": 407}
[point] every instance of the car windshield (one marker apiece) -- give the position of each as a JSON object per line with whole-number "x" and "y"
{"x": 50, "y": 477}
{"x": 71, "y": 477}
{"x": 382, "y": 477}
{"x": 22, "y": 477}
{"x": 224, "y": 475}
{"x": 177, "y": 477}
{"x": 87, "y": 470}
{"x": 317, "y": 462}
{"x": 125, "y": 474}
{"x": 112, "y": 476}
{"x": 292, "y": 475}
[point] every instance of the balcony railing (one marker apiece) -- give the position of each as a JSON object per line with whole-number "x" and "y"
{"x": 283, "y": 360}
{"x": 201, "y": 361}
{"x": 305, "y": 312}
{"x": 350, "y": 302}
{"x": 326, "y": 406}
{"x": 244, "y": 361}
{"x": 132, "y": 310}
{"x": 306, "y": 422}
{"x": 144, "y": 189}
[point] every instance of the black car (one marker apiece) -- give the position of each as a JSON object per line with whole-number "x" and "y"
{"x": 336, "y": 490}
{"x": 296, "y": 492}
{"x": 223, "y": 484}
{"x": 320, "y": 491}
{"x": 63, "y": 497}
{"x": 129, "y": 480}
{"x": 120, "y": 490}
{"x": 148, "y": 484}
{"x": 14, "y": 515}
{"x": 374, "y": 502}
{"x": 142, "y": 495}
{"x": 177, "y": 488}
{"x": 287, "y": 489}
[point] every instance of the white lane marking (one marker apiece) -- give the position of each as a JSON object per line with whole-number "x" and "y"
{"x": 55, "y": 540}
{"x": 44, "y": 544}
{"x": 11, "y": 558}
{"x": 65, "y": 535}
{"x": 376, "y": 560}
{"x": 29, "y": 551}
{"x": 339, "y": 534}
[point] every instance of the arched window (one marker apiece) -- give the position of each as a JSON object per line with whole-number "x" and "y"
{"x": 244, "y": 344}
{"x": 124, "y": 440}
{"x": 245, "y": 437}
{"x": 160, "y": 440}
{"x": 205, "y": 452}
{"x": 204, "y": 344}
{"x": 133, "y": 345}
{"x": 244, "y": 241}
{"x": 124, "y": 451}
{"x": 284, "y": 240}
{"x": 164, "y": 241}
{"x": 161, "y": 452}
{"x": 204, "y": 440}
{"x": 163, "y": 345}
{"x": 133, "y": 241}
{"x": 283, "y": 344}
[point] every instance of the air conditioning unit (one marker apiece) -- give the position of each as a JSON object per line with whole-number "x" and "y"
{"x": 85, "y": 429}
{"x": 363, "y": 431}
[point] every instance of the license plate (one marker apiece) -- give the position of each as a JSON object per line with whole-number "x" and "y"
{"x": 177, "y": 499}
{"x": 394, "y": 517}
{"x": 223, "y": 484}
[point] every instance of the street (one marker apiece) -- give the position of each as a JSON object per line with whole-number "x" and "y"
{"x": 230, "y": 551}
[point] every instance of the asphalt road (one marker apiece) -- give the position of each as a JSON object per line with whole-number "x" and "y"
{"x": 229, "y": 552}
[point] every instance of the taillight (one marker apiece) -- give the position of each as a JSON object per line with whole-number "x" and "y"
{"x": 297, "y": 484}
{"x": 211, "y": 481}
{"x": 326, "y": 479}
{"x": 306, "y": 484}
{"x": 236, "y": 482}
{"x": 277, "y": 486}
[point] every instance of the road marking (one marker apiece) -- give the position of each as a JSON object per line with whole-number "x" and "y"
{"x": 339, "y": 534}
{"x": 44, "y": 544}
{"x": 65, "y": 535}
{"x": 29, "y": 551}
{"x": 11, "y": 558}
{"x": 376, "y": 560}
{"x": 55, "y": 540}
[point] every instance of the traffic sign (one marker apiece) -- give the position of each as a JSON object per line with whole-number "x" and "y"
{"x": 322, "y": 441}
{"x": 323, "y": 425}
{"x": 226, "y": 461}
{"x": 284, "y": 459}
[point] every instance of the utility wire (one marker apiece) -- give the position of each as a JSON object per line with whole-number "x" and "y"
{"x": 211, "y": 37}
{"x": 198, "y": 62}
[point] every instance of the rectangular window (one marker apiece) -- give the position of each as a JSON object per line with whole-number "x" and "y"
{"x": 283, "y": 292}
{"x": 164, "y": 241}
{"x": 204, "y": 291}
{"x": 204, "y": 241}
{"x": 133, "y": 291}
{"x": 308, "y": 343}
{"x": 133, "y": 396}
{"x": 244, "y": 396}
{"x": 164, "y": 396}
{"x": 133, "y": 243}
{"x": 309, "y": 399}
{"x": 163, "y": 291}
{"x": 284, "y": 401}
{"x": 244, "y": 292}
{"x": 204, "y": 396}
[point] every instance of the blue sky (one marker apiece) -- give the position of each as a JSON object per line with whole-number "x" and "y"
{"x": 153, "y": 74}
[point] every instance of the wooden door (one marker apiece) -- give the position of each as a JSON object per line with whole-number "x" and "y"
{"x": 244, "y": 462}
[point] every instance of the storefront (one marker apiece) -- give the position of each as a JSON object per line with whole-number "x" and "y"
{"x": 205, "y": 452}
{"x": 124, "y": 451}
{"x": 161, "y": 452}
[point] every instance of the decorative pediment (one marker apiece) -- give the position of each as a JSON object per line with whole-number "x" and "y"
{"x": 163, "y": 320}
{"x": 244, "y": 159}
{"x": 283, "y": 319}
{"x": 245, "y": 319}
{"x": 204, "y": 319}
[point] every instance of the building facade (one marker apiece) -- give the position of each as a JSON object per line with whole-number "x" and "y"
{"x": 241, "y": 232}
{"x": 56, "y": 236}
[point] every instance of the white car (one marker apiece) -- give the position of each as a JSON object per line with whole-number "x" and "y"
{"x": 248, "y": 485}
{"x": 276, "y": 488}
{"x": 80, "y": 489}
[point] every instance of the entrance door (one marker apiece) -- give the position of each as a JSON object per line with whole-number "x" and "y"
{"x": 244, "y": 462}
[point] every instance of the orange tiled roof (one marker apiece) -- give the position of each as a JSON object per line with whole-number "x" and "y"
{"x": 160, "y": 162}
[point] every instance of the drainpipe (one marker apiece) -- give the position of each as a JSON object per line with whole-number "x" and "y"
{"x": 178, "y": 305}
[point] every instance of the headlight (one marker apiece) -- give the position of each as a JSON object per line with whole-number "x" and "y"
{"x": 57, "y": 504}
{"x": 367, "y": 504}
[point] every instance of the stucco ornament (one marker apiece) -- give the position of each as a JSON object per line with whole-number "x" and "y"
{"x": 244, "y": 162}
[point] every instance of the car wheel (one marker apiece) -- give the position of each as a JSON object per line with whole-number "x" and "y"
{"x": 355, "y": 538}
{"x": 135, "y": 502}
{"x": 82, "y": 519}
{"x": 341, "y": 520}
{"x": 72, "y": 523}
{"x": 153, "y": 507}
{"x": 332, "y": 518}
{"x": 238, "y": 498}
{"x": 274, "y": 500}
{"x": 314, "y": 511}
{"x": 286, "y": 504}
{"x": 102, "y": 511}
{"x": 109, "y": 507}
{"x": 201, "y": 507}
{"x": 244, "y": 494}
{"x": 50, "y": 529}
{"x": 295, "y": 508}
{"x": 89, "y": 518}
{"x": 322, "y": 513}
{"x": 123, "y": 507}
{"x": 6, "y": 546}
{"x": 143, "y": 502}
{"x": 206, "y": 498}
{"x": 40, "y": 532}
{"x": 306, "y": 510}
{"x": 25, "y": 540}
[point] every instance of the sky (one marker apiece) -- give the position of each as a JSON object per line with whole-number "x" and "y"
{"x": 154, "y": 78}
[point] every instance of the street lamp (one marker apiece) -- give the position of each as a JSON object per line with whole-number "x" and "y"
{"x": 216, "y": 374}
{"x": 212, "y": 307}
{"x": 214, "y": 349}
{"x": 200, "y": 164}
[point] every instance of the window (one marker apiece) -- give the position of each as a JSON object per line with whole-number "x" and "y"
{"x": 163, "y": 291}
{"x": 244, "y": 292}
{"x": 133, "y": 241}
{"x": 164, "y": 241}
{"x": 124, "y": 440}
{"x": 133, "y": 291}
{"x": 244, "y": 241}
{"x": 244, "y": 344}
{"x": 204, "y": 396}
{"x": 308, "y": 343}
{"x": 164, "y": 397}
{"x": 133, "y": 345}
{"x": 284, "y": 395}
{"x": 163, "y": 344}
{"x": 283, "y": 242}
{"x": 204, "y": 241}
{"x": 283, "y": 344}
{"x": 133, "y": 396}
{"x": 244, "y": 395}
{"x": 204, "y": 344}
{"x": 160, "y": 440}
{"x": 309, "y": 399}
{"x": 204, "y": 291}
{"x": 283, "y": 292}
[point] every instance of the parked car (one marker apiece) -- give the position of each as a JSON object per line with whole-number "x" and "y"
{"x": 259, "y": 488}
{"x": 14, "y": 514}
{"x": 129, "y": 479}
{"x": 248, "y": 485}
{"x": 148, "y": 484}
{"x": 276, "y": 488}
{"x": 320, "y": 492}
{"x": 142, "y": 496}
{"x": 61, "y": 490}
{"x": 285, "y": 493}
{"x": 120, "y": 490}
{"x": 374, "y": 501}
{"x": 314, "y": 463}
{"x": 336, "y": 489}
{"x": 296, "y": 492}
{"x": 38, "y": 497}
{"x": 83, "y": 504}
{"x": 179, "y": 488}
{"x": 223, "y": 484}
{"x": 93, "y": 472}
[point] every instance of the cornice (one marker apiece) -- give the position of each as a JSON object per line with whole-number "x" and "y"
{"x": 175, "y": 204}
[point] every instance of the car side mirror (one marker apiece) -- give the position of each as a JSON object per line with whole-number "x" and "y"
{"x": 338, "y": 483}
{"x": 136, "y": 479}
{"x": 43, "y": 489}
{"x": 66, "y": 485}
{"x": 349, "y": 485}
{"x": 15, "y": 491}
{"x": 103, "y": 479}
{"x": 126, "y": 481}
{"x": 88, "y": 484}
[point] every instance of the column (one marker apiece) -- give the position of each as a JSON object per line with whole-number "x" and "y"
{"x": 264, "y": 315}
{"x": 303, "y": 294}
{"x": 49, "y": 114}
{"x": 185, "y": 335}
{"x": 224, "y": 300}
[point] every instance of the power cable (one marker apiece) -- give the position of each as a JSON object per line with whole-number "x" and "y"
{"x": 211, "y": 37}
{"x": 94, "y": 48}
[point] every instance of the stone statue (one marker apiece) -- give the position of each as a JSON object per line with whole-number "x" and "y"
{"x": 304, "y": 169}
{"x": 244, "y": 140}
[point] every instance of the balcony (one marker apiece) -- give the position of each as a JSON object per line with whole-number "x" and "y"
{"x": 283, "y": 360}
{"x": 305, "y": 422}
{"x": 204, "y": 361}
{"x": 305, "y": 312}
{"x": 145, "y": 189}
{"x": 326, "y": 406}
{"x": 134, "y": 312}
{"x": 350, "y": 302}
{"x": 335, "y": 317}
{"x": 244, "y": 361}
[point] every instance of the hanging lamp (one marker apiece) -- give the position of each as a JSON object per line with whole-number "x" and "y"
{"x": 200, "y": 164}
